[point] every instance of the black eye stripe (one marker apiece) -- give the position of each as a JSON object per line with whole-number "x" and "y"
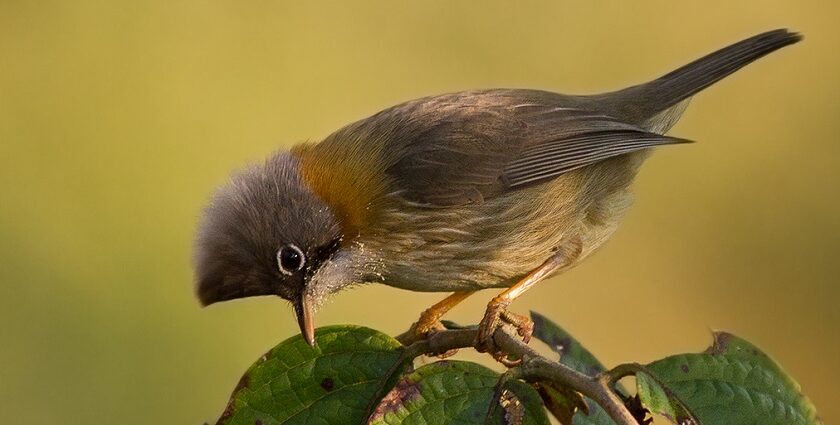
{"x": 326, "y": 251}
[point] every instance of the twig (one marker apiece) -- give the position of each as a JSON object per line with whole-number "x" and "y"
{"x": 623, "y": 370}
{"x": 534, "y": 367}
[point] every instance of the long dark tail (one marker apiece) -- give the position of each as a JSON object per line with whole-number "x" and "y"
{"x": 640, "y": 103}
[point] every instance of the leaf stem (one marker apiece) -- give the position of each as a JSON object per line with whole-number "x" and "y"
{"x": 622, "y": 371}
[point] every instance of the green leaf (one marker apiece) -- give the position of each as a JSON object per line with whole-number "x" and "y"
{"x": 662, "y": 400}
{"x": 517, "y": 403}
{"x": 732, "y": 383}
{"x": 340, "y": 381}
{"x": 574, "y": 355}
{"x": 596, "y": 416}
{"x": 562, "y": 402}
{"x": 458, "y": 392}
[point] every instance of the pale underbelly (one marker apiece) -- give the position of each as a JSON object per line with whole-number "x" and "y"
{"x": 495, "y": 244}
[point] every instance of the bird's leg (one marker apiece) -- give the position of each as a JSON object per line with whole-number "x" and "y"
{"x": 497, "y": 313}
{"x": 429, "y": 320}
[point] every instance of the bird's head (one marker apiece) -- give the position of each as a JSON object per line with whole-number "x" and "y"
{"x": 266, "y": 233}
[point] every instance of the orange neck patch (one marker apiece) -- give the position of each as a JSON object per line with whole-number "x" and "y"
{"x": 346, "y": 178}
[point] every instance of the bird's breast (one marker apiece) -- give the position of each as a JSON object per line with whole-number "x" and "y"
{"x": 497, "y": 242}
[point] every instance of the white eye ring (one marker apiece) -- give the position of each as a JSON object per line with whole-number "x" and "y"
{"x": 290, "y": 259}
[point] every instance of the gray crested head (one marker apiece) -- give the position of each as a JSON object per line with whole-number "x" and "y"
{"x": 263, "y": 233}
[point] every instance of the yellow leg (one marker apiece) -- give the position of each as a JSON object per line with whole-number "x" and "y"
{"x": 497, "y": 308}
{"x": 430, "y": 318}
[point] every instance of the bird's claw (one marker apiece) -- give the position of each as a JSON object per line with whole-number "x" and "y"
{"x": 497, "y": 315}
{"x": 424, "y": 327}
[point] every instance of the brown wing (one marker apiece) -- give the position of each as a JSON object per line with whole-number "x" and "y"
{"x": 465, "y": 147}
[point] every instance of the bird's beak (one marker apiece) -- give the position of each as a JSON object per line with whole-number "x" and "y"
{"x": 303, "y": 310}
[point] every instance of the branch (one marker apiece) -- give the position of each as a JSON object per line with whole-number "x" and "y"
{"x": 623, "y": 370}
{"x": 534, "y": 367}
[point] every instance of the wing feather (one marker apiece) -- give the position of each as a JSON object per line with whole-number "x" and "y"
{"x": 465, "y": 147}
{"x": 556, "y": 157}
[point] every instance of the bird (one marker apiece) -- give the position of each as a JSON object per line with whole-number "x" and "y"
{"x": 459, "y": 192}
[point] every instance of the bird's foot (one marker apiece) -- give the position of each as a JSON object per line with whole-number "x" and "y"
{"x": 495, "y": 316}
{"x": 424, "y": 327}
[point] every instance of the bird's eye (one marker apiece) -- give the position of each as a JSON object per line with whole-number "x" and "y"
{"x": 290, "y": 259}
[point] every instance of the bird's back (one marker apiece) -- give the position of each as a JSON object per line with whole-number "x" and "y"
{"x": 474, "y": 189}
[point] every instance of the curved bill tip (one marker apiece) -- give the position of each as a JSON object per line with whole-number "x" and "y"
{"x": 303, "y": 309}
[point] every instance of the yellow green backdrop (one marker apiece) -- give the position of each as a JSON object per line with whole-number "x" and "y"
{"x": 117, "y": 119}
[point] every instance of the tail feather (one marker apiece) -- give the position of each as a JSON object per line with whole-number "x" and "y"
{"x": 642, "y": 102}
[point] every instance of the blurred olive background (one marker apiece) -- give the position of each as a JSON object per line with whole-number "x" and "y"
{"x": 117, "y": 120}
